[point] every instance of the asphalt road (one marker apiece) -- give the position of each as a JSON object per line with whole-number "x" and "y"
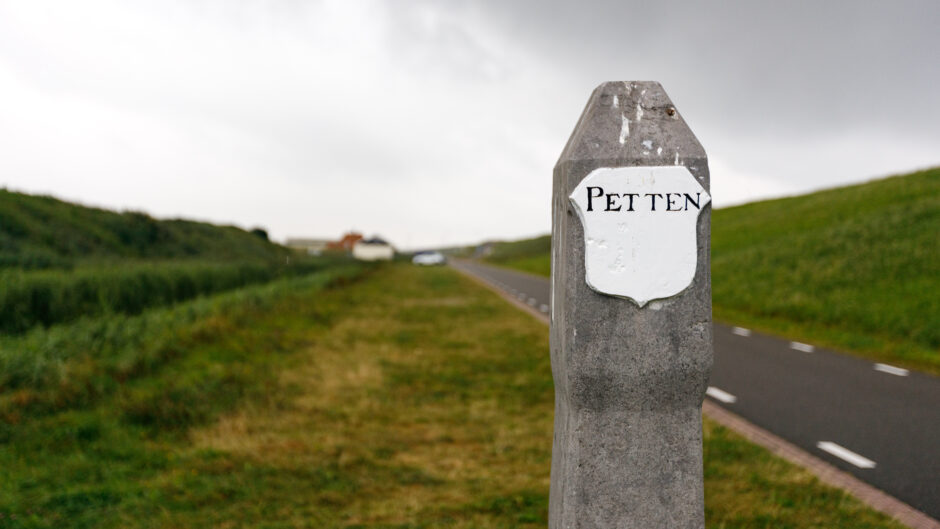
{"x": 875, "y": 421}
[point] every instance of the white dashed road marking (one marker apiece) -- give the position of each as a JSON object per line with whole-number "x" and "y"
{"x": 532, "y": 302}
{"x": 721, "y": 395}
{"x": 741, "y": 331}
{"x": 543, "y": 308}
{"x": 845, "y": 454}
{"x": 885, "y": 368}
{"x": 805, "y": 347}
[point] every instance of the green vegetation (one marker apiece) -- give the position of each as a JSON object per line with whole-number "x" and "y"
{"x": 148, "y": 379}
{"x": 73, "y": 364}
{"x": 410, "y": 398}
{"x": 43, "y": 232}
{"x": 94, "y": 415}
{"x": 60, "y": 261}
{"x": 529, "y": 255}
{"x": 855, "y": 268}
{"x": 46, "y": 297}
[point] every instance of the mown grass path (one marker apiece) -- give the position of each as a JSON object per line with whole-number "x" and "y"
{"x": 413, "y": 398}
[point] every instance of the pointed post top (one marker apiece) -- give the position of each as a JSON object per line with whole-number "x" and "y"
{"x": 631, "y": 123}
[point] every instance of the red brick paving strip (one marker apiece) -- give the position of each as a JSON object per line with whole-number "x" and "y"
{"x": 826, "y": 473}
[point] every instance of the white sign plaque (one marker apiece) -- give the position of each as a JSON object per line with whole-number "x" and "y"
{"x": 640, "y": 230}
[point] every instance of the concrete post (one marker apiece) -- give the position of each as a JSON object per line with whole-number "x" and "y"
{"x": 631, "y": 339}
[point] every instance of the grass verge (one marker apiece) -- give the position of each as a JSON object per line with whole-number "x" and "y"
{"x": 97, "y": 409}
{"x": 411, "y": 399}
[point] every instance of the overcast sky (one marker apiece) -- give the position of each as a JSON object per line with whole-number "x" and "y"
{"x": 439, "y": 122}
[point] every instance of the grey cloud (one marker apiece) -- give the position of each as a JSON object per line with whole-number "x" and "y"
{"x": 763, "y": 67}
{"x": 414, "y": 112}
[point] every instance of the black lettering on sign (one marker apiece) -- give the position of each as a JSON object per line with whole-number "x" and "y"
{"x": 670, "y": 202}
{"x": 631, "y": 195}
{"x": 674, "y": 201}
{"x": 600, "y": 192}
{"x": 610, "y": 202}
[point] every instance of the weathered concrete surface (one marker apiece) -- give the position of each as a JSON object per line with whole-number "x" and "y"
{"x": 629, "y": 381}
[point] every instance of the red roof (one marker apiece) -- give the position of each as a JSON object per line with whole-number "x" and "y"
{"x": 346, "y": 243}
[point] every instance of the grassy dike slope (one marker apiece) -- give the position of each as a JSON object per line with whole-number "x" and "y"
{"x": 61, "y": 262}
{"x": 855, "y": 268}
{"x": 412, "y": 398}
{"x": 44, "y": 232}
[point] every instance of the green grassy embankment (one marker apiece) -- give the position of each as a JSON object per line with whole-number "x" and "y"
{"x": 411, "y": 398}
{"x": 855, "y": 268}
{"x": 61, "y": 261}
{"x": 44, "y": 232}
{"x": 529, "y": 255}
{"x": 31, "y": 298}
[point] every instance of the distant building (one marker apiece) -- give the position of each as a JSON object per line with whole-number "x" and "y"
{"x": 374, "y": 249}
{"x": 345, "y": 244}
{"x": 308, "y": 246}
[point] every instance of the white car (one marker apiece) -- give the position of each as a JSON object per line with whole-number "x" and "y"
{"x": 429, "y": 259}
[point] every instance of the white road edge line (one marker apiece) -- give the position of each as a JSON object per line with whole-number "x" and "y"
{"x": 845, "y": 454}
{"x": 885, "y": 368}
{"x": 721, "y": 395}
{"x": 741, "y": 331}
{"x": 805, "y": 347}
